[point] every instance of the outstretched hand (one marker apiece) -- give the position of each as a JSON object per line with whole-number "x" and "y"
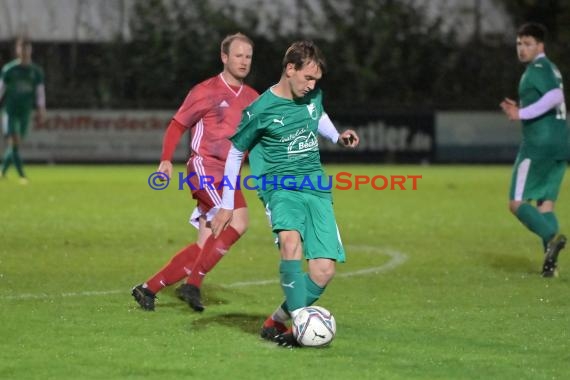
{"x": 41, "y": 115}
{"x": 221, "y": 221}
{"x": 348, "y": 139}
{"x": 510, "y": 108}
{"x": 166, "y": 168}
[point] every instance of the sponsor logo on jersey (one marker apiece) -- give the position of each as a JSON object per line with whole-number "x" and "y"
{"x": 303, "y": 144}
{"x": 292, "y": 136}
{"x": 280, "y": 121}
{"x": 312, "y": 111}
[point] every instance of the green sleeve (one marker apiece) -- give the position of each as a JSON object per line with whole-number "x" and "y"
{"x": 543, "y": 79}
{"x": 248, "y": 132}
{"x": 39, "y": 76}
{"x": 3, "y": 73}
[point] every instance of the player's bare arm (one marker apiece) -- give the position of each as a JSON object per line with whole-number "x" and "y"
{"x": 41, "y": 114}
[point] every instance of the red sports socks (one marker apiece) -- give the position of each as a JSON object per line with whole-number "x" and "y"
{"x": 212, "y": 252}
{"x": 176, "y": 269}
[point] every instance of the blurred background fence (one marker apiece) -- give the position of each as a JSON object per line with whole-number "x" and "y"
{"x": 421, "y": 80}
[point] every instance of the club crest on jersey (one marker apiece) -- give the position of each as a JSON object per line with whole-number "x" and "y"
{"x": 303, "y": 144}
{"x": 312, "y": 111}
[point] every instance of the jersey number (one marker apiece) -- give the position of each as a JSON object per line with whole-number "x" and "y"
{"x": 561, "y": 109}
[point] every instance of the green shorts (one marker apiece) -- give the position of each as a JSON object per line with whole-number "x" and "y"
{"x": 536, "y": 179}
{"x": 15, "y": 123}
{"x": 310, "y": 215}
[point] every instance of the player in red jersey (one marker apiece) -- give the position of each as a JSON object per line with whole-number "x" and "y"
{"x": 211, "y": 111}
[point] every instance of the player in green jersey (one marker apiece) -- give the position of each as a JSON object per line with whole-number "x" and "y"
{"x": 280, "y": 132}
{"x": 22, "y": 89}
{"x": 541, "y": 161}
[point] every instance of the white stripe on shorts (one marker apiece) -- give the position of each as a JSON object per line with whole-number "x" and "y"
{"x": 522, "y": 173}
{"x": 5, "y": 123}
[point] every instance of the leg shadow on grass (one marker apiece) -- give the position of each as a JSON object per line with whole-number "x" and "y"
{"x": 211, "y": 296}
{"x": 248, "y": 323}
{"x": 520, "y": 263}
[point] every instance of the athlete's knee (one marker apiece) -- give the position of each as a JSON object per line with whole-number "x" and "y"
{"x": 290, "y": 245}
{"x": 240, "y": 221}
{"x": 289, "y": 249}
{"x": 322, "y": 271}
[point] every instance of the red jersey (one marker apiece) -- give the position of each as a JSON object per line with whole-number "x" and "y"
{"x": 212, "y": 111}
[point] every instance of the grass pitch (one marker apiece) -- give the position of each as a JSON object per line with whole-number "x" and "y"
{"x": 441, "y": 283}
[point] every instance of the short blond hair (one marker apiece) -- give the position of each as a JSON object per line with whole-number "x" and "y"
{"x": 225, "y": 46}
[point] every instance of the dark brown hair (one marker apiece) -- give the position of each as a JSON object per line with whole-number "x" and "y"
{"x": 302, "y": 52}
{"x": 533, "y": 29}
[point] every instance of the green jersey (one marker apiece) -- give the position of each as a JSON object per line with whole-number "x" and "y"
{"x": 20, "y": 83}
{"x": 545, "y": 136}
{"x": 281, "y": 136}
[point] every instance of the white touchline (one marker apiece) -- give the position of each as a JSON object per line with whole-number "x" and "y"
{"x": 61, "y": 295}
{"x": 396, "y": 259}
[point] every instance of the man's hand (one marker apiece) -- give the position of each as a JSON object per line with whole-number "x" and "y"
{"x": 510, "y": 109}
{"x": 221, "y": 221}
{"x": 41, "y": 115}
{"x": 166, "y": 168}
{"x": 348, "y": 139}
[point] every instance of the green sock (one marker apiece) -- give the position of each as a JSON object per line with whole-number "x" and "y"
{"x": 6, "y": 160}
{"x": 313, "y": 290}
{"x": 293, "y": 283}
{"x": 535, "y": 221}
{"x": 17, "y": 161}
{"x": 550, "y": 218}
